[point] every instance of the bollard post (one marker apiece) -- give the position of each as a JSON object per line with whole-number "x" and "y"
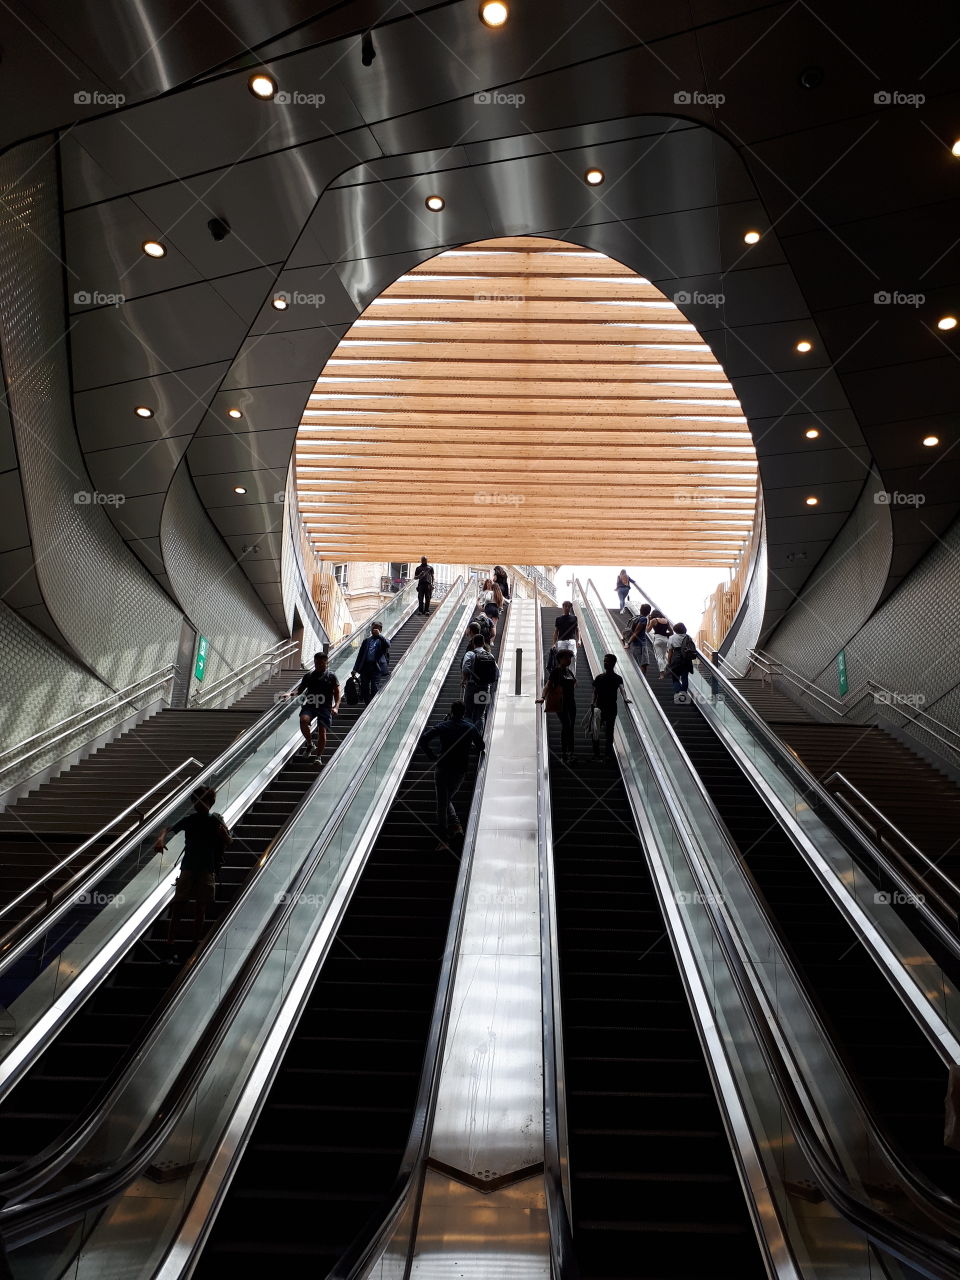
{"x": 519, "y": 670}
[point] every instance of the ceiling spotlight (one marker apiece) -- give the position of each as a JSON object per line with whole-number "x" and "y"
{"x": 812, "y": 502}
{"x": 280, "y": 302}
{"x": 931, "y": 441}
{"x": 153, "y": 248}
{"x": 262, "y": 86}
{"x": 804, "y": 346}
{"x": 435, "y": 203}
{"x": 947, "y": 322}
{"x": 811, "y": 433}
{"x": 238, "y": 488}
{"x": 367, "y": 51}
{"x": 593, "y": 177}
{"x": 494, "y": 13}
{"x": 751, "y": 237}
{"x": 955, "y": 149}
{"x": 234, "y": 413}
{"x": 143, "y": 412}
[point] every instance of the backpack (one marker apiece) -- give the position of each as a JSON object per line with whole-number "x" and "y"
{"x": 484, "y": 670}
{"x": 485, "y": 625}
{"x": 426, "y": 576}
{"x": 351, "y": 691}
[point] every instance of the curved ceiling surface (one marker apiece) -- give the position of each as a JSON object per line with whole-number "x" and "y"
{"x": 531, "y": 400}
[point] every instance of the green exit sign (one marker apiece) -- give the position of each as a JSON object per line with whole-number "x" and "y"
{"x": 201, "y": 667}
{"x": 842, "y": 671}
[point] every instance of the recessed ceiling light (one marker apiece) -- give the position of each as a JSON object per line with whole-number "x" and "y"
{"x": 812, "y": 502}
{"x": 931, "y": 441}
{"x": 280, "y": 302}
{"x": 803, "y": 346}
{"x": 955, "y": 149}
{"x": 751, "y": 237}
{"x": 234, "y": 413}
{"x": 947, "y": 322}
{"x": 262, "y": 86}
{"x": 494, "y": 13}
{"x": 143, "y": 412}
{"x": 593, "y": 177}
{"x": 435, "y": 203}
{"x": 811, "y": 433}
{"x": 153, "y": 248}
{"x": 238, "y": 488}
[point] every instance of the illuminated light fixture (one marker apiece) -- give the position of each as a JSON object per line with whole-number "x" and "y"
{"x": 234, "y": 413}
{"x": 262, "y": 86}
{"x": 804, "y": 346}
{"x": 812, "y": 502}
{"x": 435, "y": 203}
{"x": 947, "y": 322}
{"x": 280, "y": 302}
{"x": 751, "y": 237}
{"x": 153, "y": 248}
{"x": 494, "y": 13}
{"x": 812, "y": 433}
{"x": 594, "y": 177}
{"x": 955, "y": 149}
{"x": 143, "y": 412}
{"x": 931, "y": 441}
{"x": 238, "y": 488}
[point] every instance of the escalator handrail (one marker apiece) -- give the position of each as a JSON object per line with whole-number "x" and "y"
{"x": 905, "y": 878}
{"x": 413, "y": 1164}
{"x": 85, "y": 1194}
{"x": 936, "y": 1257}
{"x": 22, "y": 935}
{"x": 563, "y": 1257}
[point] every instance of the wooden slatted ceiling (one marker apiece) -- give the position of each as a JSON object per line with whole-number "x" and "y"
{"x": 526, "y": 401}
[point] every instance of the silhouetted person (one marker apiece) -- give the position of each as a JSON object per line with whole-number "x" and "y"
{"x": 559, "y": 695}
{"x": 373, "y": 662}
{"x": 424, "y": 576}
{"x": 448, "y": 744}
{"x": 478, "y": 674}
{"x": 321, "y": 702}
{"x": 205, "y": 840}
{"x": 639, "y": 642}
{"x": 606, "y": 689}
{"x": 681, "y": 652}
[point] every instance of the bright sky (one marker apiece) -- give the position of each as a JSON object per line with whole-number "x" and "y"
{"x": 680, "y": 593}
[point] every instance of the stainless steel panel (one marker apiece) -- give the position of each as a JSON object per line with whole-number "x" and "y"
{"x": 106, "y": 261}
{"x": 279, "y": 358}
{"x": 245, "y": 451}
{"x": 247, "y": 518}
{"x": 316, "y": 297}
{"x": 137, "y": 468}
{"x": 815, "y": 470}
{"x": 589, "y": 134}
{"x": 263, "y": 409}
{"x": 13, "y": 527}
{"x": 105, "y": 415}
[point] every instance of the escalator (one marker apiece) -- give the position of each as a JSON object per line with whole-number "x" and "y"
{"x": 901, "y": 1076}
{"x": 94, "y": 1045}
{"x": 328, "y": 1143}
{"x": 654, "y": 1187}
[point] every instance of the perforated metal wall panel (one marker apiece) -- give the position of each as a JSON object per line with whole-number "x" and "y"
{"x": 104, "y": 602}
{"x": 215, "y": 595}
{"x": 751, "y": 617}
{"x": 842, "y": 593}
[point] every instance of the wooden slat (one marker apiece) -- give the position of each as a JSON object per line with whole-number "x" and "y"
{"x": 519, "y": 312}
{"x": 520, "y": 390}
{"x": 450, "y": 455}
{"x": 571, "y": 292}
{"x": 343, "y": 368}
{"x": 506, "y": 264}
{"x": 364, "y": 345}
{"x": 733, "y": 446}
{"x": 608, "y": 330}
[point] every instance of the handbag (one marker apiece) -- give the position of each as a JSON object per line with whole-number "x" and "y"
{"x": 591, "y": 722}
{"x": 553, "y": 698}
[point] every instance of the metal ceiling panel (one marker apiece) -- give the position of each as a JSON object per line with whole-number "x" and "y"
{"x": 784, "y": 433}
{"x": 105, "y": 415}
{"x": 135, "y": 469}
{"x": 591, "y": 134}
{"x": 246, "y": 451}
{"x": 275, "y": 358}
{"x": 739, "y": 298}
{"x": 364, "y": 279}
{"x": 905, "y": 390}
{"x": 139, "y": 517}
{"x": 878, "y": 335}
{"x": 263, "y": 408}
{"x": 750, "y": 350}
{"x": 103, "y": 248}
{"x": 814, "y": 468}
{"x": 244, "y": 292}
{"x": 23, "y": 593}
{"x": 120, "y": 344}
{"x": 788, "y": 391}
{"x": 247, "y": 517}
{"x": 241, "y": 545}
{"x": 314, "y": 296}
{"x": 13, "y": 527}
{"x": 384, "y": 168}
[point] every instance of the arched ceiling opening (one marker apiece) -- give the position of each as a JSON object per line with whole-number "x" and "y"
{"x": 529, "y": 400}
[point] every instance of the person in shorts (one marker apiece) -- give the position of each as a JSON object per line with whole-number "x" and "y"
{"x": 205, "y": 840}
{"x": 321, "y": 702}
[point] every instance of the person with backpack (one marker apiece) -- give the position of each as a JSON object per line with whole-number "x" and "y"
{"x": 424, "y": 576}
{"x": 559, "y": 695}
{"x": 566, "y": 634}
{"x": 475, "y": 629}
{"x": 478, "y": 674}
{"x": 205, "y": 841}
{"x": 606, "y": 690}
{"x": 681, "y": 652}
{"x": 490, "y": 602}
{"x": 448, "y": 745}
{"x": 320, "y": 691}
{"x": 659, "y": 631}
{"x": 624, "y": 583}
{"x": 373, "y": 661}
{"x": 637, "y": 640}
